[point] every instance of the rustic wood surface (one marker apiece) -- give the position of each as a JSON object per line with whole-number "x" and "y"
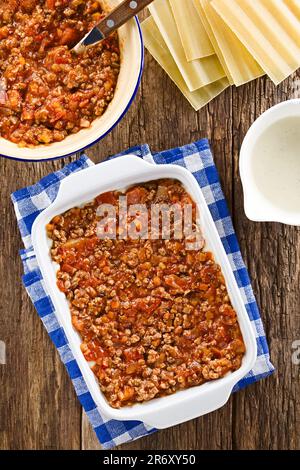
{"x": 38, "y": 406}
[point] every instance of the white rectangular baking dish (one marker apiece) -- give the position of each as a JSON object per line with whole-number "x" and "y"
{"x": 119, "y": 173}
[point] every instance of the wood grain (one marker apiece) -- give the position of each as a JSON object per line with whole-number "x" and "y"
{"x": 38, "y": 407}
{"x": 271, "y": 252}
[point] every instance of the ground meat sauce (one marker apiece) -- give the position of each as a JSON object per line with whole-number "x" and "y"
{"x": 154, "y": 317}
{"x": 46, "y": 91}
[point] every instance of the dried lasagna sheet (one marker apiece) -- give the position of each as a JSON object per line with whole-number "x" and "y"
{"x": 197, "y": 73}
{"x": 212, "y": 38}
{"x": 193, "y": 35}
{"x": 269, "y": 29}
{"x": 157, "y": 47}
{"x": 294, "y": 6}
{"x": 240, "y": 64}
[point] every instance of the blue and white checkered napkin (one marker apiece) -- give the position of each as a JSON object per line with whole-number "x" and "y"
{"x": 29, "y": 202}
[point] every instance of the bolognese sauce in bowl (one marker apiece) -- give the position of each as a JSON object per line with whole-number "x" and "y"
{"x": 154, "y": 316}
{"x": 48, "y": 93}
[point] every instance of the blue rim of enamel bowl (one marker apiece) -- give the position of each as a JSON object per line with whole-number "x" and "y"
{"x": 113, "y": 125}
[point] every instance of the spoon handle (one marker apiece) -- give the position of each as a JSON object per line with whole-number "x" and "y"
{"x": 120, "y": 15}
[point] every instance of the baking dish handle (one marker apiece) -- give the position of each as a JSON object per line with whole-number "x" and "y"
{"x": 88, "y": 179}
{"x": 194, "y": 407}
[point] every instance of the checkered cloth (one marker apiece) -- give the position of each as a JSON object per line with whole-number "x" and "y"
{"x": 30, "y": 201}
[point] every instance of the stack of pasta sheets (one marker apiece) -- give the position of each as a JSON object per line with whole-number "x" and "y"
{"x": 207, "y": 45}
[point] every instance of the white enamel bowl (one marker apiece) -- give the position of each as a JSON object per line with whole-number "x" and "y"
{"x": 119, "y": 173}
{"x": 132, "y": 61}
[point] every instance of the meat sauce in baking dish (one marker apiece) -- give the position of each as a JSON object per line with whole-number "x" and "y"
{"x": 154, "y": 317}
{"x": 47, "y": 91}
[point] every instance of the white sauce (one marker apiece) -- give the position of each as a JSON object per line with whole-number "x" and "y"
{"x": 276, "y": 164}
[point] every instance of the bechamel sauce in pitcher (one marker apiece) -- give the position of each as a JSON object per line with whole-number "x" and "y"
{"x": 276, "y": 163}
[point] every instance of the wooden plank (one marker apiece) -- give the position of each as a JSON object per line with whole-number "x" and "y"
{"x": 266, "y": 414}
{"x": 38, "y": 408}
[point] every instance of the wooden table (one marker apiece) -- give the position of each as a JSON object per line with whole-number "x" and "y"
{"x": 38, "y": 406}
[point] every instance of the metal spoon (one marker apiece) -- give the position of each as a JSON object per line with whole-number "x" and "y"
{"x": 116, "y": 18}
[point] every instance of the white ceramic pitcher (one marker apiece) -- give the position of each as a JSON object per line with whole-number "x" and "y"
{"x": 260, "y": 202}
